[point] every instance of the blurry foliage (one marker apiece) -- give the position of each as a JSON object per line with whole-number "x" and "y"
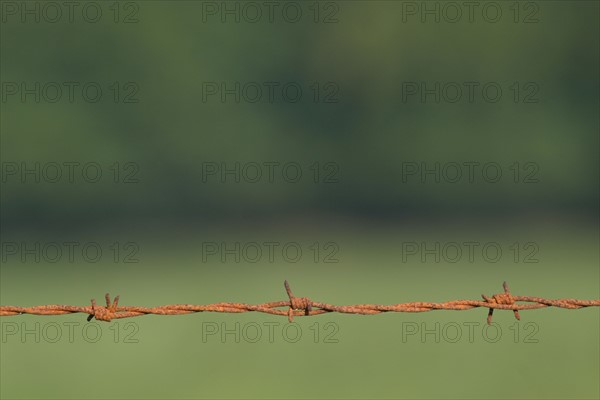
{"x": 369, "y": 133}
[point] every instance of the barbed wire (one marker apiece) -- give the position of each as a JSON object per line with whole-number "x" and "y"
{"x": 302, "y": 306}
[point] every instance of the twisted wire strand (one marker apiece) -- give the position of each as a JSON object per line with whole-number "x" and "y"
{"x": 302, "y": 306}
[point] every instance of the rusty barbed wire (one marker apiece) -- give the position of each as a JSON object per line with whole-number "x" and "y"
{"x": 302, "y": 306}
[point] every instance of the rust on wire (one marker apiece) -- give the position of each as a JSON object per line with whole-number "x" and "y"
{"x": 302, "y": 306}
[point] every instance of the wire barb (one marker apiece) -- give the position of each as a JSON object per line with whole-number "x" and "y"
{"x": 302, "y": 306}
{"x": 297, "y": 303}
{"x": 501, "y": 298}
{"x": 104, "y": 313}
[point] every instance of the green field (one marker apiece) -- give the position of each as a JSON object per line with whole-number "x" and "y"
{"x": 550, "y": 353}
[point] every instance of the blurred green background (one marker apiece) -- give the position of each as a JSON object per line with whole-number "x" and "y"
{"x": 164, "y": 55}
